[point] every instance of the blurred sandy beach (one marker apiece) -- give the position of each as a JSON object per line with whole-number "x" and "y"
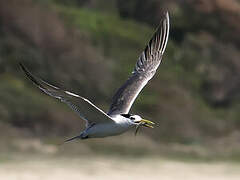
{"x": 92, "y": 168}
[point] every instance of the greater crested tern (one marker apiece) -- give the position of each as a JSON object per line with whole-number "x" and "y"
{"x": 117, "y": 120}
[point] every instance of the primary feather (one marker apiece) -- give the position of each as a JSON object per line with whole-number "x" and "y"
{"x": 145, "y": 68}
{"x": 84, "y": 108}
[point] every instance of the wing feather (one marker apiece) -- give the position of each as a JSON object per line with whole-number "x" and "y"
{"x": 82, "y": 106}
{"x": 144, "y": 70}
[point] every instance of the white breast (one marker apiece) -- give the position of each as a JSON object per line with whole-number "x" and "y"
{"x": 116, "y": 127}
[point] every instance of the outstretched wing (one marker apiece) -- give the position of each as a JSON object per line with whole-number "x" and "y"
{"x": 145, "y": 68}
{"x": 84, "y": 108}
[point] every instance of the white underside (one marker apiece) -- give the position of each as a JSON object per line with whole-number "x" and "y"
{"x": 111, "y": 128}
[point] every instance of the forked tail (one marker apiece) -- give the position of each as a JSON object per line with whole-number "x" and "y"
{"x": 73, "y": 138}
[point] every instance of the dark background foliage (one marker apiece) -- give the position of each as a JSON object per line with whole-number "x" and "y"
{"x": 90, "y": 48}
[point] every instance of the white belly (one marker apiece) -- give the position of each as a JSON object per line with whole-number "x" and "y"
{"x": 107, "y": 129}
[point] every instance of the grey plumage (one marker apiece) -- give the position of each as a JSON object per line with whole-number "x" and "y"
{"x": 82, "y": 106}
{"x": 145, "y": 68}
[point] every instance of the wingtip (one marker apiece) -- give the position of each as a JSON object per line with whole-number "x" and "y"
{"x": 167, "y": 14}
{"x": 23, "y": 68}
{"x": 21, "y": 65}
{"x": 29, "y": 75}
{"x": 166, "y": 17}
{"x": 166, "y": 24}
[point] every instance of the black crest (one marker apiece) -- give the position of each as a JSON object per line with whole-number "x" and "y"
{"x": 126, "y": 115}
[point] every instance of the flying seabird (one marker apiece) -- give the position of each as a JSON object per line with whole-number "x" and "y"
{"x": 117, "y": 120}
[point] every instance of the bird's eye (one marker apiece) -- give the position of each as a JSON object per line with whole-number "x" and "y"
{"x": 132, "y": 118}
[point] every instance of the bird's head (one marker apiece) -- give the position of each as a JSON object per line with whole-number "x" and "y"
{"x": 139, "y": 121}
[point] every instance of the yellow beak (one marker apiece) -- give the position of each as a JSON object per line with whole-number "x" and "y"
{"x": 147, "y": 123}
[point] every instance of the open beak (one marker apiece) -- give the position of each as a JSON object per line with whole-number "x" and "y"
{"x": 147, "y": 123}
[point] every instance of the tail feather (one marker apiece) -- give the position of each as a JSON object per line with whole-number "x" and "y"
{"x": 70, "y": 139}
{"x": 73, "y": 138}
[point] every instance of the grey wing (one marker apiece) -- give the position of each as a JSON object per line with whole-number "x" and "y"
{"x": 145, "y": 68}
{"x": 84, "y": 108}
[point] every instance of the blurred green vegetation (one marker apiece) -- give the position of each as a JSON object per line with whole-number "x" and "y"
{"x": 194, "y": 96}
